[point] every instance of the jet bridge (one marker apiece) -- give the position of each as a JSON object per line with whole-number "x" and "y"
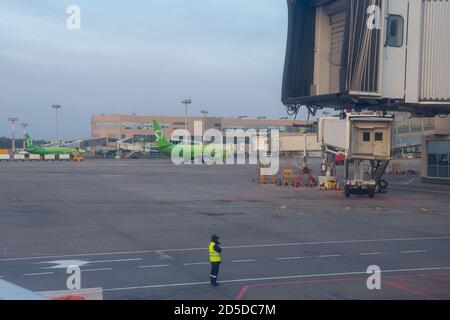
{"x": 380, "y": 55}
{"x": 360, "y": 138}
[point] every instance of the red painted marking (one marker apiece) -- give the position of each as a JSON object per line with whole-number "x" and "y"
{"x": 409, "y": 290}
{"x": 431, "y": 275}
{"x": 71, "y": 297}
{"x": 242, "y": 292}
{"x": 430, "y": 280}
{"x": 245, "y": 288}
{"x": 304, "y": 282}
{"x": 395, "y": 284}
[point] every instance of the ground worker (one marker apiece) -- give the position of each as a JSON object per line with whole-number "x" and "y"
{"x": 214, "y": 258}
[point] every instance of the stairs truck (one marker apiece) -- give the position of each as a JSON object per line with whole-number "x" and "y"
{"x": 361, "y": 139}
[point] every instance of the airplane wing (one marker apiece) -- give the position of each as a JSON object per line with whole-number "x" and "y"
{"x": 9, "y": 291}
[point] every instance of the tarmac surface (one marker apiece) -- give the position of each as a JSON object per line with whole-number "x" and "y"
{"x": 139, "y": 229}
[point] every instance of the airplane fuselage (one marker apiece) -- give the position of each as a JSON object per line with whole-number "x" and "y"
{"x": 216, "y": 152}
{"x": 192, "y": 151}
{"x": 51, "y": 150}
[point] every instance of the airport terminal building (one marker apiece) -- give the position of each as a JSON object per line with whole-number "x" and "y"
{"x": 408, "y": 133}
{"x": 120, "y": 127}
{"x": 435, "y": 167}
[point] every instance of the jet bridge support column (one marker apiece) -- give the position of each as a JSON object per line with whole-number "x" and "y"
{"x": 328, "y": 179}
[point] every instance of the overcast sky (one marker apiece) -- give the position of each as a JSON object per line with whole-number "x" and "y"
{"x": 139, "y": 55}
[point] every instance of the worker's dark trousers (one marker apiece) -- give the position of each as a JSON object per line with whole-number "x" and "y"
{"x": 214, "y": 272}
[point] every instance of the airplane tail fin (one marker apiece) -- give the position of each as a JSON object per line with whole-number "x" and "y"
{"x": 161, "y": 140}
{"x": 28, "y": 141}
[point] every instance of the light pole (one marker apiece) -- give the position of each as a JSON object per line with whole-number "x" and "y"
{"x": 204, "y": 113}
{"x": 56, "y": 107}
{"x": 24, "y": 126}
{"x": 186, "y": 102}
{"x": 13, "y": 130}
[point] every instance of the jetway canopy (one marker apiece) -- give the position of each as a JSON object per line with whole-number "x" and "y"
{"x": 299, "y": 63}
{"x": 296, "y": 143}
{"x": 354, "y": 55}
{"x": 367, "y": 54}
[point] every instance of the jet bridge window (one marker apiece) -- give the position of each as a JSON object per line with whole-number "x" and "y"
{"x": 378, "y": 136}
{"x": 395, "y": 29}
{"x": 438, "y": 159}
{"x": 366, "y": 136}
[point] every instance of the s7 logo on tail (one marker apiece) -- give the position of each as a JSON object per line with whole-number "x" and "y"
{"x": 159, "y": 135}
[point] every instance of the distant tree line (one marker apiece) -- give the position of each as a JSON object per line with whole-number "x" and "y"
{"x": 5, "y": 143}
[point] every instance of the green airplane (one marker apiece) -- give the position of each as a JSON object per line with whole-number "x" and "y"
{"x": 33, "y": 149}
{"x": 164, "y": 146}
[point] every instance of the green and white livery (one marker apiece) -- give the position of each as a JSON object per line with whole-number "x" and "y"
{"x": 33, "y": 149}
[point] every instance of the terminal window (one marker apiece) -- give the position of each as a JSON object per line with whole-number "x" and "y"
{"x": 438, "y": 159}
{"x": 378, "y": 136}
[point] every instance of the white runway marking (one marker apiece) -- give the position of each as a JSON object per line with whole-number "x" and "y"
{"x": 228, "y": 247}
{"x": 420, "y": 190}
{"x": 38, "y": 273}
{"x": 100, "y": 269}
{"x": 329, "y": 256}
{"x": 369, "y": 253}
{"x": 163, "y": 255}
{"x": 194, "y": 263}
{"x": 63, "y": 264}
{"x": 290, "y": 258}
{"x": 415, "y": 251}
{"x": 119, "y": 260}
{"x": 410, "y": 181}
{"x": 155, "y": 266}
{"x": 275, "y": 278}
{"x": 240, "y": 261}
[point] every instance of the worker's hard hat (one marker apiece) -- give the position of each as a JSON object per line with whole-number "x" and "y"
{"x": 214, "y": 237}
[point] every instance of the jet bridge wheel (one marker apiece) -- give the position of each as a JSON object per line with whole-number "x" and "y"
{"x": 347, "y": 192}
{"x": 382, "y": 186}
{"x": 372, "y": 192}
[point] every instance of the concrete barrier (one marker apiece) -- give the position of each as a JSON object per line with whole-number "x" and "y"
{"x": 19, "y": 157}
{"x": 34, "y": 157}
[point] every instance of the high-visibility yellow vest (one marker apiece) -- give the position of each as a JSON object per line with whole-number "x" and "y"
{"x": 214, "y": 256}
